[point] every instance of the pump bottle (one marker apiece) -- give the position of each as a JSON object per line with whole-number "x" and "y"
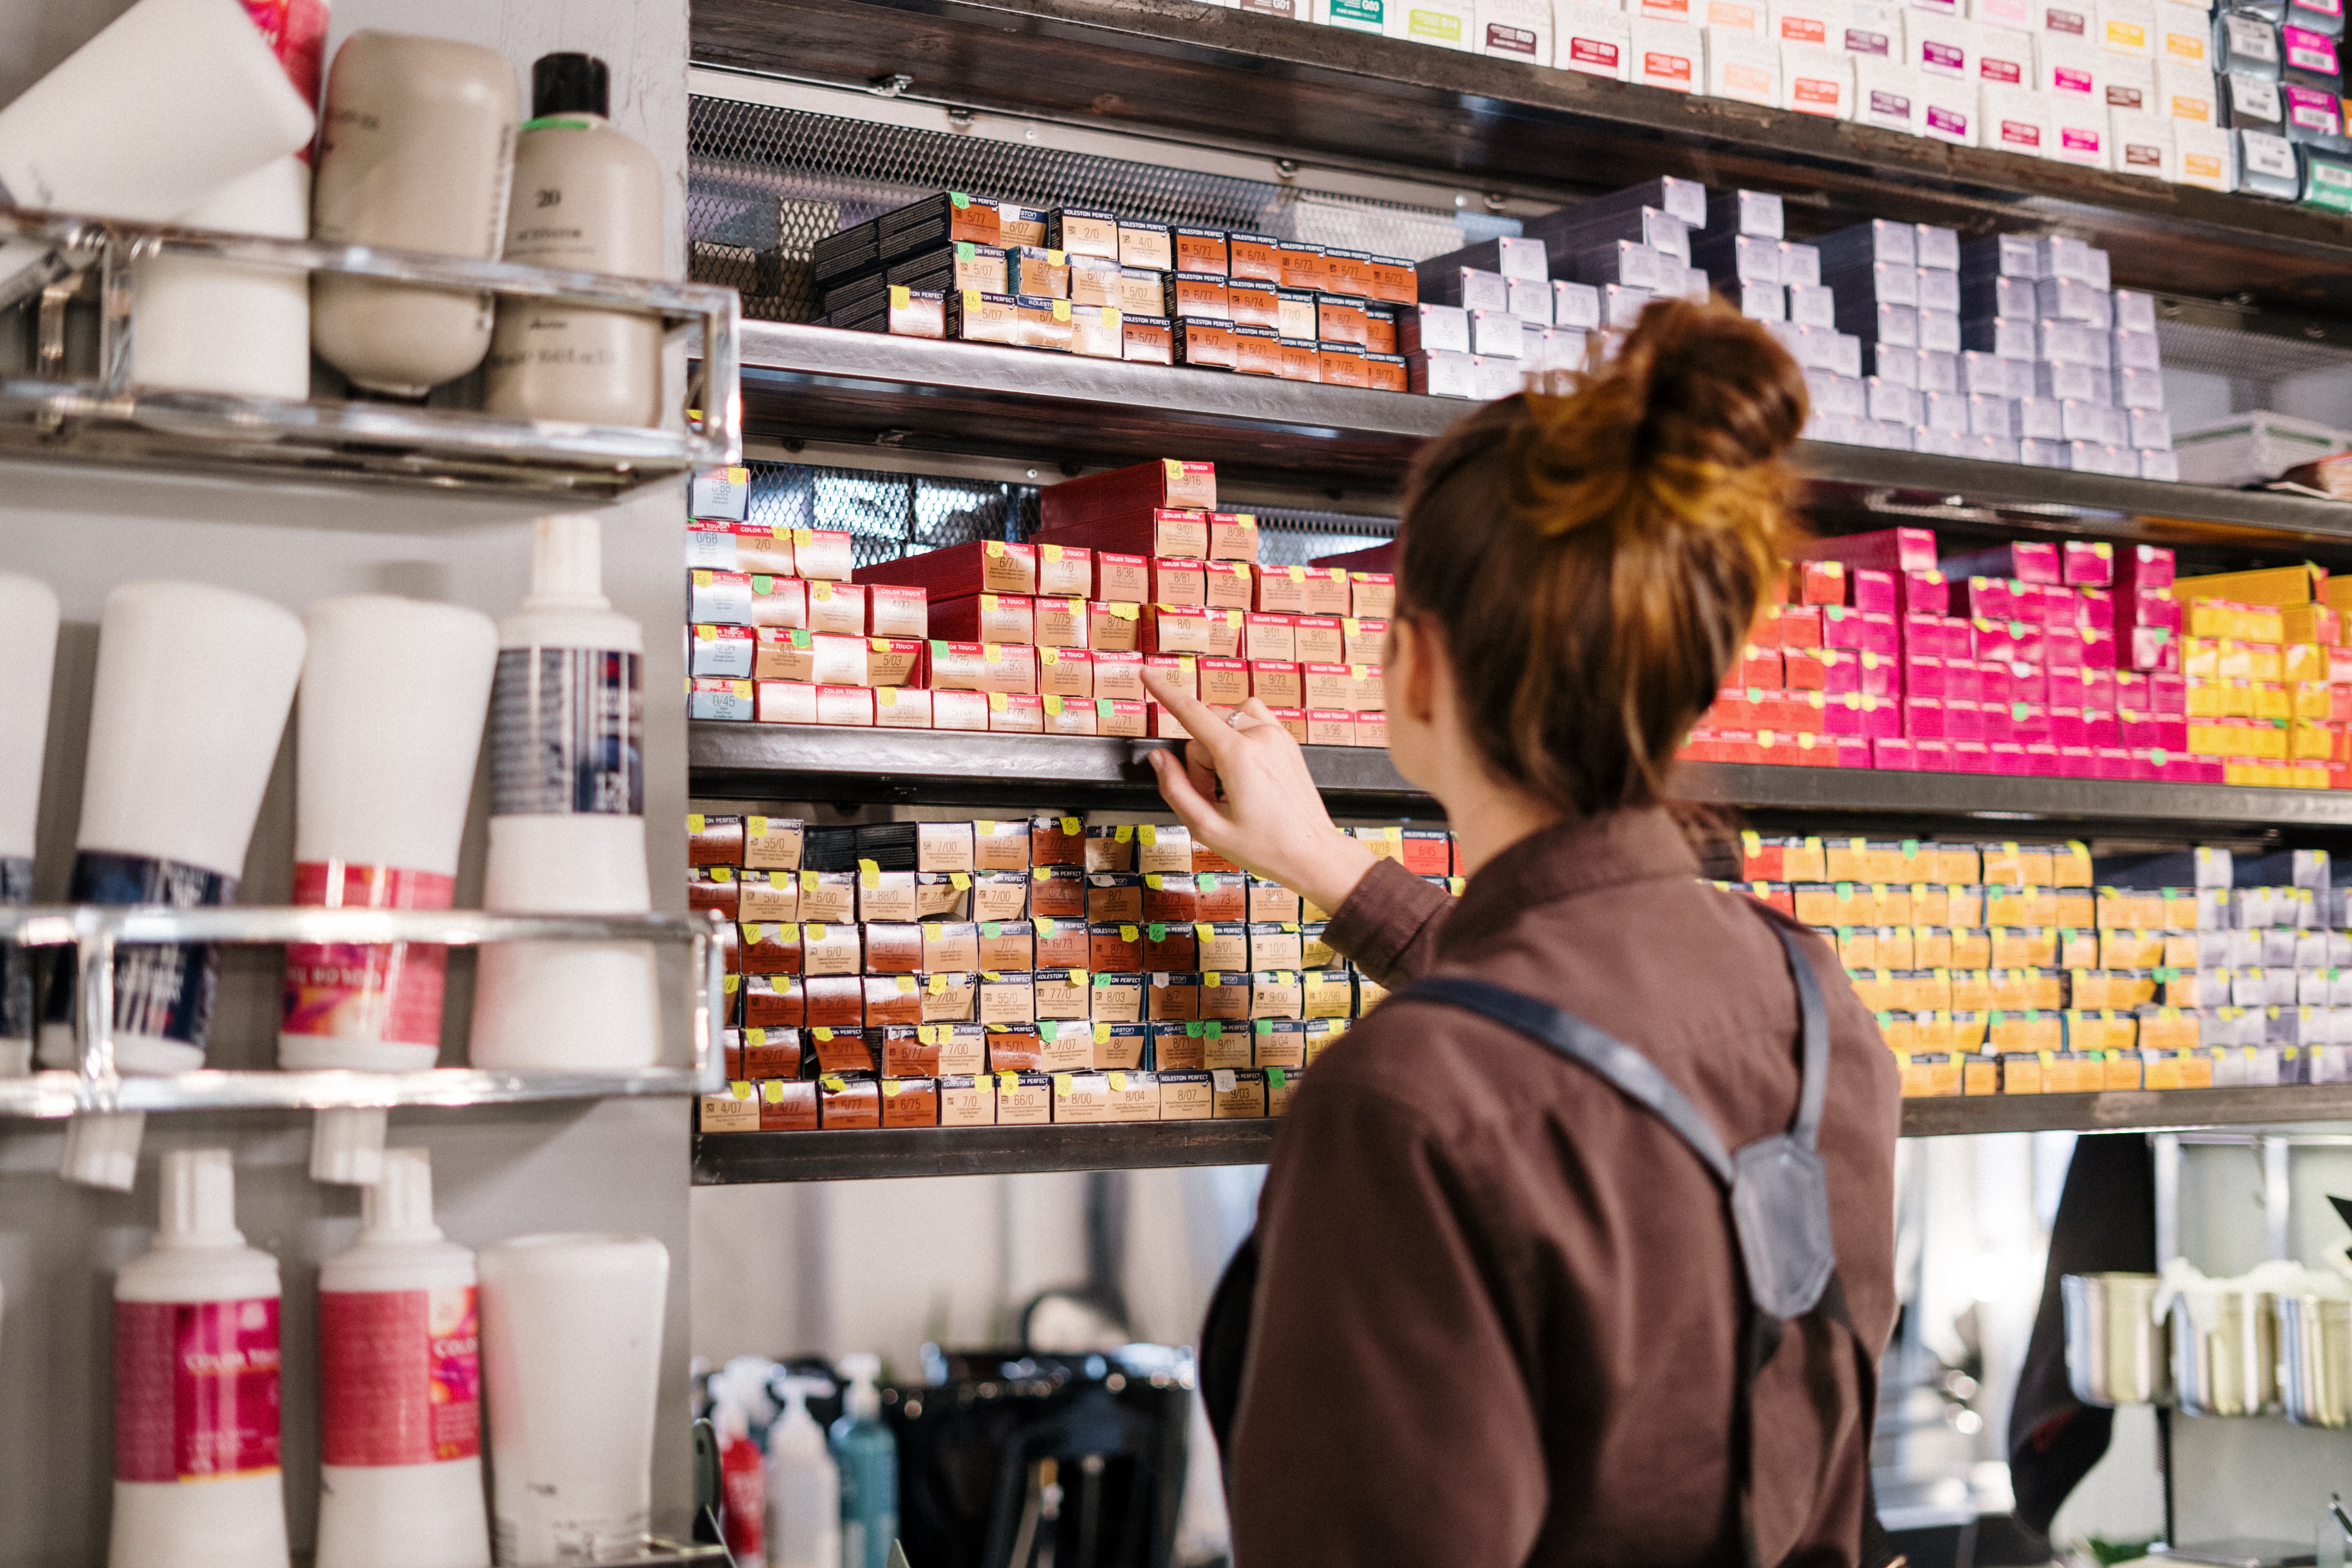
{"x": 567, "y": 821}
{"x": 416, "y": 151}
{"x": 869, "y": 1457}
{"x": 587, "y": 199}
{"x": 197, "y": 1482}
{"x": 400, "y": 1481}
{"x": 742, "y": 1475}
{"x": 803, "y": 1487}
{"x": 28, "y": 648}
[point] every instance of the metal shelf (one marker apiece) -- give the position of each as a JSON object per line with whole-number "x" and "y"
{"x": 96, "y": 933}
{"x": 818, "y": 763}
{"x": 1233, "y": 77}
{"x": 730, "y": 1158}
{"x": 66, "y": 399}
{"x": 803, "y": 383}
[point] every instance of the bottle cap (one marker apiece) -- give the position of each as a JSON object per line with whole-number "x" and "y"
{"x": 199, "y": 1207}
{"x": 102, "y": 1149}
{"x": 567, "y": 563}
{"x": 347, "y": 1145}
{"x": 569, "y": 84}
{"x": 399, "y": 1207}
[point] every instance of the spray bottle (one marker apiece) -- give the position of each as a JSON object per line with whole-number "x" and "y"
{"x": 869, "y": 1457}
{"x": 742, "y": 1483}
{"x": 400, "y": 1481}
{"x": 567, "y": 821}
{"x": 197, "y": 1482}
{"x": 803, "y": 1485}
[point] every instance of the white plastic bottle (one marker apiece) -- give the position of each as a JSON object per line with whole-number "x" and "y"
{"x": 803, "y": 1487}
{"x": 416, "y": 151}
{"x": 400, "y": 1438}
{"x": 197, "y": 1482}
{"x": 567, "y": 821}
{"x": 28, "y": 649}
{"x": 200, "y": 325}
{"x": 172, "y": 102}
{"x": 193, "y": 689}
{"x": 587, "y": 199}
{"x": 572, "y": 1333}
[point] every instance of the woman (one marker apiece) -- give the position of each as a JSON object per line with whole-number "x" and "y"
{"x": 1501, "y": 1312}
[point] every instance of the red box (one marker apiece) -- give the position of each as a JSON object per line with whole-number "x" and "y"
{"x": 1162, "y": 531}
{"x": 1762, "y": 667}
{"x": 1895, "y": 754}
{"x": 1888, "y": 549}
{"x": 984, "y": 566}
{"x": 1121, "y": 492}
{"x": 1795, "y": 625}
{"x": 1820, "y": 583}
{"x": 1804, "y": 671}
{"x": 986, "y": 618}
{"x": 2140, "y": 566}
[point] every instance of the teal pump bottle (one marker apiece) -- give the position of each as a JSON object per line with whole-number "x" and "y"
{"x": 868, "y": 1458}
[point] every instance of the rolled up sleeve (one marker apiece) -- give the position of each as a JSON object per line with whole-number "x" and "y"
{"x": 1389, "y": 926}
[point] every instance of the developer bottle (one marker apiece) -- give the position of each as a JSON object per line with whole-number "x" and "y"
{"x": 196, "y": 1483}
{"x": 803, "y": 1487}
{"x": 415, "y": 150}
{"x": 567, "y": 821}
{"x": 28, "y": 647}
{"x": 587, "y": 199}
{"x": 193, "y": 687}
{"x": 201, "y": 325}
{"x": 400, "y": 1386}
{"x": 868, "y": 1458}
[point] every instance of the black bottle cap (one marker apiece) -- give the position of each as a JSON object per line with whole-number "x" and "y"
{"x": 569, "y": 84}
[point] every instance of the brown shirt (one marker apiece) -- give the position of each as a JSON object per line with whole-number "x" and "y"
{"x": 1498, "y": 1303}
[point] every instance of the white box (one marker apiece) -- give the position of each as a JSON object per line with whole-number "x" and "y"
{"x": 1671, "y": 55}
{"x": 2013, "y": 13}
{"x": 1817, "y": 81}
{"x": 1575, "y": 305}
{"x": 1939, "y": 45}
{"x": 2134, "y": 311}
{"x": 1819, "y": 23}
{"x": 2129, "y": 83}
{"x": 2185, "y": 92}
{"x": 2017, "y": 121}
{"x": 1668, "y": 10}
{"x": 1886, "y": 94}
{"x": 1874, "y": 27}
{"x": 2184, "y": 37}
{"x": 2249, "y": 448}
{"x": 1811, "y": 305}
{"x": 1354, "y": 15}
{"x": 2073, "y": 18}
{"x": 1799, "y": 264}
{"x": 1741, "y": 66}
{"x": 2066, "y": 66}
{"x": 2151, "y": 429}
{"x": 1515, "y": 30}
{"x": 2203, "y": 157}
{"x": 1594, "y": 39}
{"x": 2078, "y": 131}
{"x": 1948, "y": 110}
{"x": 1529, "y": 299}
{"x": 1443, "y": 24}
{"x": 1734, "y": 17}
{"x": 2155, "y": 464}
{"x": 1939, "y": 370}
{"x": 2127, "y": 27}
{"x": 2004, "y": 56}
{"x": 2142, "y": 144}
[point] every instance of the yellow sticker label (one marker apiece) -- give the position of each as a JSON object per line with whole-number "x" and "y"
{"x": 938, "y": 984}
{"x": 1006, "y": 1083}
{"x": 996, "y": 702}
{"x": 808, "y": 882}
{"x": 997, "y": 548}
{"x": 959, "y": 879}
{"x": 1039, "y": 873}
{"x": 905, "y": 984}
{"x": 1118, "y": 1079}
{"x": 869, "y": 874}
{"x": 1062, "y": 1079}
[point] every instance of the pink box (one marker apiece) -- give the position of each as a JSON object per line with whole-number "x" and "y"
{"x": 1971, "y": 757}
{"x": 2143, "y": 766}
{"x": 1889, "y": 549}
{"x": 2153, "y": 608}
{"x": 1871, "y": 589}
{"x": 2168, "y": 695}
{"x": 2076, "y": 762}
{"x": 1932, "y": 756}
{"x": 1882, "y": 717}
{"x": 2008, "y": 759}
{"x": 2066, "y": 727}
{"x": 2132, "y": 691}
{"x": 1993, "y": 680}
{"x": 2034, "y": 560}
{"x": 1842, "y": 628}
{"x": 1897, "y": 755}
{"x": 1923, "y": 594}
{"x": 2028, "y": 723}
{"x": 2030, "y": 683}
{"x": 2089, "y": 563}
{"x": 2154, "y": 648}
{"x": 2097, "y": 688}
{"x": 2143, "y": 566}
{"x": 2171, "y": 734}
{"x": 1995, "y": 724}
{"x": 1963, "y": 681}
{"x": 1924, "y": 675}
{"x": 2209, "y": 771}
{"x": 1877, "y": 675}
{"x": 1841, "y": 716}
{"x": 1984, "y": 598}
{"x": 2178, "y": 767}
{"x": 1963, "y": 722}
{"x": 2099, "y": 649}
{"x": 1841, "y": 670}
{"x": 2041, "y": 762}
{"x": 2061, "y": 647}
{"x": 1852, "y": 752}
{"x": 2112, "y": 764}
{"x": 1880, "y": 635}
{"x": 1995, "y": 638}
{"x": 1924, "y": 718}
{"x": 2094, "y": 607}
{"x": 2058, "y": 607}
{"x": 2101, "y": 728}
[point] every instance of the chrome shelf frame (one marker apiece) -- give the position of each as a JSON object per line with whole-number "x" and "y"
{"x": 95, "y": 1087}
{"x": 55, "y": 412}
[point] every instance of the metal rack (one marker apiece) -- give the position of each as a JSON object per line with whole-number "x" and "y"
{"x": 95, "y": 933}
{"x": 62, "y": 403}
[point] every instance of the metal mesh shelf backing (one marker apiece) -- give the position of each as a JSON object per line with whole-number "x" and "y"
{"x": 764, "y": 185}
{"x": 890, "y": 515}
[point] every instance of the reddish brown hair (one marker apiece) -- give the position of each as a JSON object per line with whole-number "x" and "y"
{"x": 1594, "y": 556}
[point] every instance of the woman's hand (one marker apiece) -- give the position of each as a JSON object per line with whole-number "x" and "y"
{"x": 1243, "y": 790}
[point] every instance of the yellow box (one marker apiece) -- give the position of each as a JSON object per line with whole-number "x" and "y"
{"x": 2077, "y": 948}
{"x": 2271, "y": 701}
{"x": 1971, "y": 990}
{"x": 2130, "y": 950}
{"x": 1981, "y": 1075}
{"x": 2032, "y": 1030}
{"x": 2021, "y": 989}
{"x": 1930, "y": 1076}
{"x": 2272, "y": 585}
{"x": 2021, "y": 1074}
{"x": 2265, "y": 663}
{"x": 1968, "y": 1029}
{"x": 2024, "y": 947}
{"x": 2004, "y": 865}
{"x": 1964, "y": 904}
{"x": 2199, "y": 658}
{"x": 1971, "y": 947}
{"x": 2304, "y": 662}
{"x": 2023, "y": 906}
{"x": 1954, "y": 864}
{"x": 1900, "y": 1033}
{"x": 2315, "y": 625}
{"x": 2307, "y": 700}
{"x": 2070, "y": 864}
{"x": 1931, "y": 947}
{"x": 2168, "y": 1029}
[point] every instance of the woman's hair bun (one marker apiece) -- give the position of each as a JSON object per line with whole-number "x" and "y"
{"x": 1711, "y": 385}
